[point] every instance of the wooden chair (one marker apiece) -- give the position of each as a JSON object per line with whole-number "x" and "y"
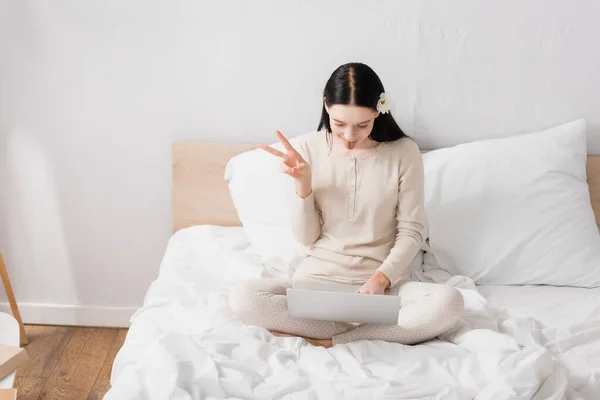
{"x": 11, "y": 300}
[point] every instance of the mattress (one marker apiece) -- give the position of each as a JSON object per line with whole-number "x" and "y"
{"x": 185, "y": 343}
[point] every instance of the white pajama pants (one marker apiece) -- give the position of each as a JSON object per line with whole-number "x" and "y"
{"x": 427, "y": 310}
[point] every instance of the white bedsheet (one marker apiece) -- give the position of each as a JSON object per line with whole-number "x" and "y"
{"x": 568, "y": 324}
{"x": 184, "y": 343}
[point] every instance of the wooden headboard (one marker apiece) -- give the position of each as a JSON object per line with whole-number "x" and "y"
{"x": 201, "y": 195}
{"x": 200, "y": 192}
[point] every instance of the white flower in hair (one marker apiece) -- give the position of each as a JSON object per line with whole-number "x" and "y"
{"x": 383, "y": 104}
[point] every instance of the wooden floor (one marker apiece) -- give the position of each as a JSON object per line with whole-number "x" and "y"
{"x": 68, "y": 362}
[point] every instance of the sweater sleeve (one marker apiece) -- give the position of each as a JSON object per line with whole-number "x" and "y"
{"x": 306, "y": 216}
{"x": 410, "y": 216}
{"x": 306, "y": 220}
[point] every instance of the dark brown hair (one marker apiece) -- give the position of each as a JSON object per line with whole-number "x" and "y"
{"x": 357, "y": 84}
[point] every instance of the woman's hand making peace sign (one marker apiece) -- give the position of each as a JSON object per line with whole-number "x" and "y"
{"x": 293, "y": 165}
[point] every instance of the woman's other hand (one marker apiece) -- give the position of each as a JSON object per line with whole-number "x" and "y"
{"x": 293, "y": 165}
{"x": 376, "y": 284}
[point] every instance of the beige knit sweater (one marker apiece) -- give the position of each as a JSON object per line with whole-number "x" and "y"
{"x": 365, "y": 213}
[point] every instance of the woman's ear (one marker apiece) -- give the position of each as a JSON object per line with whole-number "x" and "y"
{"x": 325, "y": 105}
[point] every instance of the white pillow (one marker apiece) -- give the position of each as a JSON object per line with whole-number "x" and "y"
{"x": 263, "y": 197}
{"x": 515, "y": 210}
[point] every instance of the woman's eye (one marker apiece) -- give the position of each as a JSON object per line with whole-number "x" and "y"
{"x": 363, "y": 126}
{"x": 339, "y": 124}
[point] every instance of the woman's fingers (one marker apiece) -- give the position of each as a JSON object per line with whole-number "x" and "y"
{"x": 285, "y": 142}
{"x": 273, "y": 151}
{"x": 286, "y": 169}
{"x": 291, "y": 171}
{"x": 292, "y": 158}
{"x": 365, "y": 290}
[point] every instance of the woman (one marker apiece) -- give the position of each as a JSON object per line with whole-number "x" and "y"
{"x": 360, "y": 212}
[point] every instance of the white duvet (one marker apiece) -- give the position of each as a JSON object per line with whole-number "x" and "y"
{"x": 184, "y": 343}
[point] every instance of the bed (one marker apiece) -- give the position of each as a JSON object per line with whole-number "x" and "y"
{"x": 184, "y": 342}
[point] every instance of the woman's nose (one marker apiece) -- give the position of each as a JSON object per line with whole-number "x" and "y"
{"x": 349, "y": 135}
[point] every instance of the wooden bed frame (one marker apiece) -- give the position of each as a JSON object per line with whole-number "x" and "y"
{"x": 201, "y": 195}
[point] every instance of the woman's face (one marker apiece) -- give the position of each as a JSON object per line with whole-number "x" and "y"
{"x": 351, "y": 124}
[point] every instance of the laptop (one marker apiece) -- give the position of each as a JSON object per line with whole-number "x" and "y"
{"x": 340, "y": 303}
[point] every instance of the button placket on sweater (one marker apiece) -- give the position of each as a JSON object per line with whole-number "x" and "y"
{"x": 353, "y": 169}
